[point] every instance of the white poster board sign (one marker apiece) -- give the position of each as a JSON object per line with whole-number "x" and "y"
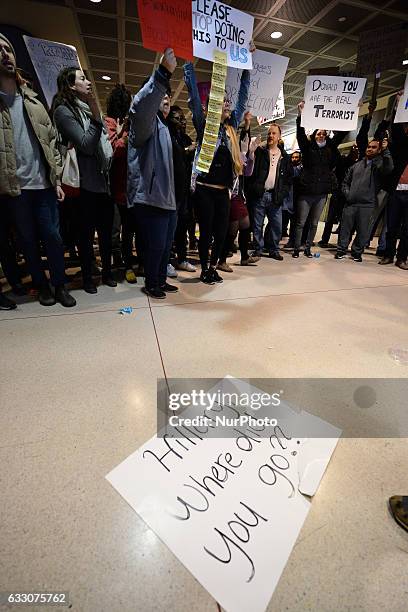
{"x": 48, "y": 59}
{"x": 267, "y": 77}
{"x": 217, "y": 26}
{"x": 229, "y": 508}
{"x": 332, "y": 102}
{"x": 279, "y": 110}
{"x": 401, "y": 116}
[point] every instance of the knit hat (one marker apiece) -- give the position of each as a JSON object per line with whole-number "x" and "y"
{"x": 2, "y": 37}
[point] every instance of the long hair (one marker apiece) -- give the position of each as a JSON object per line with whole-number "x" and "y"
{"x": 118, "y": 103}
{"x": 65, "y": 95}
{"x": 235, "y": 150}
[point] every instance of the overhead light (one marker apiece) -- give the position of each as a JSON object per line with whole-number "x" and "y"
{"x": 105, "y": 77}
{"x": 96, "y": 1}
{"x": 405, "y": 62}
{"x": 342, "y": 19}
{"x": 276, "y": 35}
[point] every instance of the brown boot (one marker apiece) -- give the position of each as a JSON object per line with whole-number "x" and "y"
{"x": 401, "y": 264}
{"x": 386, "y": 260}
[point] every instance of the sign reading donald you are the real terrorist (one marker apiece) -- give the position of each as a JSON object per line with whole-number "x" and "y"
{"x": 332, "y": 102}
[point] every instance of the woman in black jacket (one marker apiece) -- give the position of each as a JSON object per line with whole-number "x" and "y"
{"x": 319, "y": 157}
{"x": 78, "y": 120}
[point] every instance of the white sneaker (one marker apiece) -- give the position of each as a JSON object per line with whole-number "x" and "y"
{"x": 171, "y": 272}
{"x": 186, "y": 266}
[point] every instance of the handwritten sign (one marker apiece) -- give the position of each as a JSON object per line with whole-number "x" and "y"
{"x": 221, "y": 27}
{"x": 401, "y": 116}
{"x": 278, "y": 112}
{"x": 48, "y": 59}
{"x": 331, "y": 102}
{"x": 167, "y": 24}
{"x": 267, "y": 76}
{"x": 382, "y": 49}
{"x": 229, "y": 508}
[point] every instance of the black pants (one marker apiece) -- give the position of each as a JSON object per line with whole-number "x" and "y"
{"x": 212, "y": 208}
{"x": 180, "y": 236}
{"x": 122, "y": 241}
{"x": 334, "y": 215}
{"x": 157, "y": 229}
{"x": 397, "y": 222}
{"x": 94, "y": 211}
{"x": 358, "y": 217}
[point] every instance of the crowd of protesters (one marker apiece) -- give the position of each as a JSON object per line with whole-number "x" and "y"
{"x": 141, "y": 191}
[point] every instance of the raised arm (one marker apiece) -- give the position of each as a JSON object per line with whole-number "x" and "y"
{"x": 239, "y": 110}
{"x": 301, "y": 137}
{"x": 194, "y": 101}
{"x": 146, "y": 103}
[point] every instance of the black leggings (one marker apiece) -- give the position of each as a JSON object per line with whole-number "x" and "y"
{"x": 212, "y": 209}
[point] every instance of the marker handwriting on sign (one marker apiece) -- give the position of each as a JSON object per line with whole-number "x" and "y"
{"x": 237, "y": 531}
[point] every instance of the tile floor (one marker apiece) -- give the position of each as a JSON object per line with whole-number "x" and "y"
{"x": 78, "y": 393}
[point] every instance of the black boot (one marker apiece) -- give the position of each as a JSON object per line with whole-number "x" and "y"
{"x": 6, "y": 303}
{"x": 45, "y": 296}
{"x": 64, "y": 297}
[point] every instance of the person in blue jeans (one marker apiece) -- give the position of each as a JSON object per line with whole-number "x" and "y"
{"x": 30, "y": 170}
{"x": 268, "y": 187}
{"x": 151, "y": 185}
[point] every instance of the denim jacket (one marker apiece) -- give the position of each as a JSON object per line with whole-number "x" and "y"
{"x": 194, "y": 104}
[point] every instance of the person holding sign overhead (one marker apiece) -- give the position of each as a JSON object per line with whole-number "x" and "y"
{"x": 319, "y": 156}
{"x": 151, "y": 177}
{"x": 212, "y": 188}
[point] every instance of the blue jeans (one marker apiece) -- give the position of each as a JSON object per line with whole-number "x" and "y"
{"x": 264, "y": 207}
{"x": 35, "y": 214}
{"x": 157, "y": 230}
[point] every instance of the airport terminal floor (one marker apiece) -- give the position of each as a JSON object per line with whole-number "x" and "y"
{"x": 83, "y": 399}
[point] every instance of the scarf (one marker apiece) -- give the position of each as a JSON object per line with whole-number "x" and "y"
{"x": 104, "y": 152}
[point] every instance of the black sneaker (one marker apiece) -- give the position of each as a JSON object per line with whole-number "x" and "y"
{"x": 45, "y": 296}
{"x": 357, "y": 258}
{"x": 307, "y": 253}
{"x": 289, "y": 245}
{"x": 90, "y": 287}
{"x": 64, "y": 297}
{"x": 340, "y": 255}
{"x": 157, "y": 294}
{"x": 276, "y": 256}
{"x": 6, "y": 303}
{"x": 169, "y": 288}
{"x": 109, "y": 281}
{"x": 207, "y": 278}
{"x": 295, "y": 253}
{"x": 214, "y": 274}
{"x": 323, "y": 245}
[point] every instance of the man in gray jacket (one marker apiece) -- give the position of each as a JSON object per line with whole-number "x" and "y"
{"x": 360, "y": 188}
{"x": 151, "y": 191}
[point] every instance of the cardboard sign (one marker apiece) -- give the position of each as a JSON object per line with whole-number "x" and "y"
{"x": 48, "y": 59}
{"x": 267, "y": 77}
{"x": 401, "y": 116}
{"x": 382, "y": 49}
{"x": 279, "y": 110}
{"x": 331, "y": 102}
{"x": 221, "y": 27}
{"x": 167, "y": 24}
{"x": 229, "y": 508}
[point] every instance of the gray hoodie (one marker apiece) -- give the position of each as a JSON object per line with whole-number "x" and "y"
{"x": 150, "y": 150}
{"x": 364, "y": 180}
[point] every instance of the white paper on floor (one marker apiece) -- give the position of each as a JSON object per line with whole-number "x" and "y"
{"x": 230, "y": 509}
